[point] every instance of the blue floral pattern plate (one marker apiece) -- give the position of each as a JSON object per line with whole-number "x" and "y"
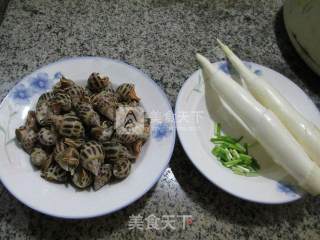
{"x": 25, "y": 183}
{"x": 195, "y": 119}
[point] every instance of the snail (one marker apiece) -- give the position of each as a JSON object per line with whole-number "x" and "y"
{"x": 63, "y": 85}
{"x": 92, "y": 156}
{"x": 31, "y": 122}
{"x": 43, "y": 113}
{"x": 126, "y": 92}
{"x": 68, "y": 159}
{"x": 104, "y": 176}
{"x": 55, "y": 173}
{"x": 47, "y": 137}
{"x": 45, "y": 97}
{"x": 27, "y": 138}
{"x": 96, "y": 83}
{"x": 75, "y": 143}
{"x": 82, "y": 178}
{"x": 87, "y": 136}
{"x": 102, "y": 133}
{"x": 68, "y": 126}
{"x": 76, "y": 94}
{"x": 122, "y": 168}
{"x": 88, "y": 116}
{"x": 116, "y": 151}
{"x": 105, "y": 103}
{"x": 39, "y": 157}
{"x": 61, "y": 103}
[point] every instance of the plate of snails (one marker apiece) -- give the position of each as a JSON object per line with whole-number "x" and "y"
{"x": 84, "y": 137}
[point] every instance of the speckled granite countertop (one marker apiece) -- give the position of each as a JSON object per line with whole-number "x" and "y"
{"x": 160, "y": 37}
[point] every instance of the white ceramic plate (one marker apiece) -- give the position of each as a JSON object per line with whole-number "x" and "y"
{"x": 194, "y": 121}
{"x": 25, "y": 183}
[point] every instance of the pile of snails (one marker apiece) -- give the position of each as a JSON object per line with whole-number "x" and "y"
{"x": 79, "y": 135}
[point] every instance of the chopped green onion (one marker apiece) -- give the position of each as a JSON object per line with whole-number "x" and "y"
{"x": 224, "y": 138}
{"x": 217, "y": 129}
{"x": 232, "y": 154}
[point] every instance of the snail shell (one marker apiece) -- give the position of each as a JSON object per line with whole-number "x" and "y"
{"x": 68, "y": 126}
{"x": 59, "y": 149}
{"x": 127, "y": 92}
{"x": 43, "y": 113}
{"x": 115, "y": 151}
{"x": 146, "y": 129}
{"x": 47, "y": 137}
{"x": 122, "y": 168}
{"x": 71, "y": 113}
{"x": 96, "y": 83}
{"x": 38, "y": 157}
{"x": 68, "y": 159}
{"x": 105, "y": 103}
{"x": 31, "y": 122}
{"x": 82, "y": 178}
{"x": 137, "y": 146}
{"x": 45, "y": 97}
{"x": 26, "y": 137}
{"x": 55, "y": 173}
{"x": 128, "y": 135}
{"x": 75, "y": 143}
{"x": 92, "y": 156}
{"x": 88, "y": 115}
{"x": 102, "y": 133}
{"x": 63, "y": 84}
{"x": 104, "y": 176}
{"x": 61, "y": 102}
{"x": 76, "y": 93}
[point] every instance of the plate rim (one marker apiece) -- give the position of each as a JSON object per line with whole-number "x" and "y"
{"x": 193, "y": 163}
{"x": 171, "y": 149}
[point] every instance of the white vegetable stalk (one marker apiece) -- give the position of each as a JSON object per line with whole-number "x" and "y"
{"x": 304, "y": 131}
{"x": 265, "y": 127}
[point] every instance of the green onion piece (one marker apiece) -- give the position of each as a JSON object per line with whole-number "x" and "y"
{"x": 235, "y": 153}
{"x": 223, "y": 138}
{"x": 217, "y": 129}
{"x": 246, "y": 146}
{"x": 232, "y": 154}
{"x": 236, "y": 146}
{"x": 233, "y": 162}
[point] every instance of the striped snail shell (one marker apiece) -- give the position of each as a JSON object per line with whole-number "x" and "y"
{"x": 75, "y": 143}
{"x": 92, "y": 156}
{"x": 44, "y": 113}
{"x": 27, "y": 138}
{"x": 47, "y": 137}
{"x": 76, "y": 93}
{"x": 68, "y": 126}
{"x": 88, "y": 116}
{"x": 116, "y": 151}
{"x": 45, "y": 97}
{"x": 97, "y": 83}
{"x": 104, "y": 176}
{"x": 122, "y": 168}
{"x": 126, "y": 92}
{"x": 61, "y": 103}
{"x": 82, "y": 178}
{"x": 68, "y": 159}
{"x": 63, "y": 84}
{"x": 102, "y": 133}
{"x": 105, "y": 103}
{"x": 55, "y": 173}
{"x": 38, "y": 157}
{"x": 31, "y": 122}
